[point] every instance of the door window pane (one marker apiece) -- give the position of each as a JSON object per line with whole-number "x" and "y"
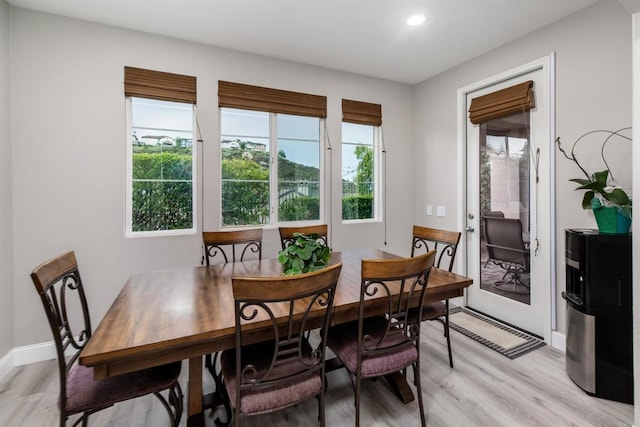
{"x": 504, "y": 192}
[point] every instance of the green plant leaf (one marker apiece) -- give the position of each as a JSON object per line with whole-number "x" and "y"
{"x": 580, "y": 181}
{"x": 601, "y": 176}
{"x": 618, "y": 197}
{"x": 586, "y": 200}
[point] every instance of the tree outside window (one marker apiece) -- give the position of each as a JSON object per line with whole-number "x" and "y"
{"x": 358, "y": 171}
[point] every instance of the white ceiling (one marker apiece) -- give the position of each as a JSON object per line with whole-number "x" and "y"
{"x": 368, "y": 37}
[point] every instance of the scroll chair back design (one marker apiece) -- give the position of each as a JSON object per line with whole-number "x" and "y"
{"x": 61, "y": 290}
{"x": 375, "y": 346}
{"x": 267, "y": 376}
{"x": 232, "y": 246}
{"x": 287, "y": 234}
{"x": 506, "y": 249}
{"x": 446, "y": 244}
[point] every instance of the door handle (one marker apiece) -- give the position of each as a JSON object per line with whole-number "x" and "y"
{"x": 470, "y": 229}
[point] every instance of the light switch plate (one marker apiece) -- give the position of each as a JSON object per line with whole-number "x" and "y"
{"x": 440, "y": 211}
{"x": 429, "y": 210}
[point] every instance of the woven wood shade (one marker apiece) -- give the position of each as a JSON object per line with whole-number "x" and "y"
{"x": 503, "y": 102}
{"x": 159, "y": 85}
{"x": 361, "y": 113}
{"x": 236, "y": 95}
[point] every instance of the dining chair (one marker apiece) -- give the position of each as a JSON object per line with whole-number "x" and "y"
{"x": 375, "y": 346}
{"x": 60, "y": 287}
{"x": 287, "y": 369}
{"x": 232, "y": 246}
{"x": 287, "y": 234}
{"x": 446, "y": 244}
{"x": 223, "y": 247}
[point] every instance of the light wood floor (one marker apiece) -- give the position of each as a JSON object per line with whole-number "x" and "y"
{"x": 484, "y": 389}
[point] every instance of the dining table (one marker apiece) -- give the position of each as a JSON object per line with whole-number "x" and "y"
{"x": 180, "y": 314}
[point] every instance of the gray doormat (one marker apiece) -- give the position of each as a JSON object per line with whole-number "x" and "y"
{"x": 499, "y": 337}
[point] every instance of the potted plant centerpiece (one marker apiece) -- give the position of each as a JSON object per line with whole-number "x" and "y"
{"x": 611, "y": 204}
{"x": 304, "y": 255}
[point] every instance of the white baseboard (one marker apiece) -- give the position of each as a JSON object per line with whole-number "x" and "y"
{"x": 34, "y": 353}
{"x": 6, "y": 363}
{"x": 25, "y": 355}
{"x": 559, "y": 341}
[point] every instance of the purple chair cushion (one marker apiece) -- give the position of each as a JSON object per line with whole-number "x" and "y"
{"x": 430, "y": 311}
{"x": 263, "y": 398}
{"x": 343, "y": 341}
{"x": 86, "y": 394}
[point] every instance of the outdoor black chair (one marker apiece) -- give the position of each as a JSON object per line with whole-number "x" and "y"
{"x": 506, "y": 248}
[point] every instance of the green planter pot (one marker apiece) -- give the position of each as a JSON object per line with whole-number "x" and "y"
{"x": 611, "y": 221}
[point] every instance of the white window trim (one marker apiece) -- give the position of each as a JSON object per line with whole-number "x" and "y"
{"x": 129, "y": 233}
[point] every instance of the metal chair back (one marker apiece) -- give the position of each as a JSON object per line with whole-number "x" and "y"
{"x": 287, "y": 234}
{"x": 232, "y": 246}
{"x": 444, "y": 242}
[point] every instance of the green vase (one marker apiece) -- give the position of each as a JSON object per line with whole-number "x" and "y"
{"x": 611, "y": 221}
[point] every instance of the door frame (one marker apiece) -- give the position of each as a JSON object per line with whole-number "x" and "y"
{"x": 547, "y": 64}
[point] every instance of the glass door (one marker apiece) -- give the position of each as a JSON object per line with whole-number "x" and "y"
{"x": 508, "y": 243}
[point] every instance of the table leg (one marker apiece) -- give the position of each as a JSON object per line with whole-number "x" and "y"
{"x": 194, "y": 392}
{"x": 400, "y": 386}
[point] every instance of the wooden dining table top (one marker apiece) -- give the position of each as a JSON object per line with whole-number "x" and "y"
{"x": 180, "y": 314}
{"x": 171, "y": 315}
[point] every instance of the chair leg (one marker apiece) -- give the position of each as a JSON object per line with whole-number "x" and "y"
{"x": 358, "y": 382}
{"x": 321, "y": 409}
{"x": 210, "y": 363}
{"x": 447, "y": 333}
{"x": 416, "y": 380}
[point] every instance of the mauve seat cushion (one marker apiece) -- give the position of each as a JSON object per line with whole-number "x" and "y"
{"x": 267, "y": 398}
{"x": 430, "y": 311}
{"x": 343, "y": 341}
{"x": 84, "y": 393}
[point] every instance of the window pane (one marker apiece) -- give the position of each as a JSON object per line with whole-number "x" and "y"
{"x": 358, "y": 171}
{"x": 162, "y": 165}
{"x": 298, "y": 168}
{"x": 245, "y": 167}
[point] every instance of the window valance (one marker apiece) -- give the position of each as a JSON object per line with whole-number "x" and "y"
{"x": 361, "y": 113}
{"x": 237, "y": 95}
{"x": 503, "y": 102}
{"x": 143, "y": 83}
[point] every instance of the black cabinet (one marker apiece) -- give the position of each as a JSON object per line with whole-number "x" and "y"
{"x": 599, "y": 353}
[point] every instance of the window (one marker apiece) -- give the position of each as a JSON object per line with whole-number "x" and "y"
{"x": 360, "y": 169}
{"x": 160, "y": 167}
{"x": 160, "y": 156}
{"x": 361, "y": 160}
{"x": 271, "y": 165}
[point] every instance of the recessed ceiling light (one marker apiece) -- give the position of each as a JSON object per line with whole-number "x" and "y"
{"x": 415, "y": 20}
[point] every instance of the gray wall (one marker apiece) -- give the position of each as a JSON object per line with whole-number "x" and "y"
{"x": 6, "y": 238}
{"x": 68, "y": 126}
{"x": 593, "y": 80}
